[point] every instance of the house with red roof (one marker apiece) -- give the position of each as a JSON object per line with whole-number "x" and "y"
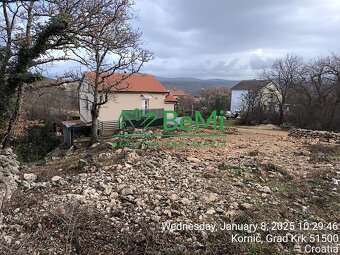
{"x": 177, "y": 93}
{"x": 125, "y": 92}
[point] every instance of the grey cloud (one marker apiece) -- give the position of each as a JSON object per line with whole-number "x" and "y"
{"x": 190, "y": 33}
{"x": 257, "y": 63}
{"x": 233, "y": 69}
{"x": 228, "y": 39}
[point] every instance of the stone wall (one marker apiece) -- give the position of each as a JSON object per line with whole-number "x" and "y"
{"x": 323, "y": 136}
{"x": 9, "y": 168}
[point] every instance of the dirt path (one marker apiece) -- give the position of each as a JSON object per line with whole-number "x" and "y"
{"x": 255, "y": 130}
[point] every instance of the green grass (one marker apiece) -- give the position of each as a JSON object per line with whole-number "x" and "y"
{"x": 232, "y": 171}
{"x": 231, "y": 123}
{"x": 284, "y": 188}
{"x": 335, "y": 157}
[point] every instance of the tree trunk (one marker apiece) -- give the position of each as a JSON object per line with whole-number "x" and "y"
{"x": 332, "y": 113}
{"x": 281, "y": 115}
{"x": 5, "y": 139}
{"x": 94, "y": 125}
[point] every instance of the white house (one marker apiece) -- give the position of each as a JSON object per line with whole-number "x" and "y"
{"x": 240, "y": 90}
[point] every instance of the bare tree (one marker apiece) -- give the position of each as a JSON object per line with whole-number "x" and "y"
{"x": 318, "y": 96}
{"x": 285, "y": 74}
{"x": 109, "y": 45}
{"x": 333, "y": 70}
{"x": 252, "y": 106}
{"x": 186, "y": 105}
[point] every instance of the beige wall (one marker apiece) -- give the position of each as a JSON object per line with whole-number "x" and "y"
{"x": 120, "y": 101}
{"x": 130, "y": 101}
{"x": 85, "y": 99}
{"x": 267, "y": 91}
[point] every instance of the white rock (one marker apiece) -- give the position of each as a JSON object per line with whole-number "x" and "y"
{"x": 174, "y": 197}
{"x": 26, "y": 184}
{"x": 266, "y": 189}
{"x": 245, "y": 206}
{"x": 56, "y": 179}
{"x": 167, "y": 212}
{"x": 126, "y": 191}
{"x": 90, "y": 192}
{"x": 194, "y": 160}
{"x": 185, "y": 201}
{"x": 128, "y": 166}
{"x": 108, "y": 190}
{"x": 133, "y": 157}
{"x": 105, "y": 155}
{"x": 304, "y": 209}
{"x": 211, "y": 211}
{"x": 30, "y": 177}
{"x": 209, "y": 198}
{"x": 114, "y": 195}
{"x": 42, "y": 185}
{"x": 82, "y": 162}
{"x": 95, "y": 145}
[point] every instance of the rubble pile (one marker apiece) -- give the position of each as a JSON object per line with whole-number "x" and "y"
{"x": 255, "y": 177}
{"x": 153, "y": 189}
{"x": 322, "y": 136}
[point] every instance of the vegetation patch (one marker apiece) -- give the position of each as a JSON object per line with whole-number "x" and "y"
{"x": 35, "y": 144}
{"x": 324, "y": 152}
{"x": 232, "y": 171}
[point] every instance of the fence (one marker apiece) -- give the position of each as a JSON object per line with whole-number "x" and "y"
{"x": 130, "y": 118}
{"x": 107, "y": 126}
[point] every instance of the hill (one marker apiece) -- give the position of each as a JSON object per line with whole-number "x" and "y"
{"x": 194, "y": 86}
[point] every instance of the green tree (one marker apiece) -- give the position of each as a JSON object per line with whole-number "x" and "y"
{"x": 215, "y": 99}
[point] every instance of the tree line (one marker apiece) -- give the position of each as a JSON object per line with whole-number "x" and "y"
{"x": 307, "y": 93}
{"x": 212, "y": 99}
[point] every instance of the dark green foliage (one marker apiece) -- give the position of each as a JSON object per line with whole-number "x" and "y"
{"x": 15, "y": 66}
{"x": 217, "y": 99}
{"x": 18, "y": 72}
{"x": 35, "y": 144}
{"x": 219, "y": 102}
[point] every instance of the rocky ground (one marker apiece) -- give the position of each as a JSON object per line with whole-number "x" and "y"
{"x": 108, "y": 200}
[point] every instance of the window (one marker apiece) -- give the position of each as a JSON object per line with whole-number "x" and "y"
{"x": 86, "y": 102}
{"x": 145, "y": 105}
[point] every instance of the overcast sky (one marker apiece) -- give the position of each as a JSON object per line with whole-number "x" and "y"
{"x": 234, "y": 39}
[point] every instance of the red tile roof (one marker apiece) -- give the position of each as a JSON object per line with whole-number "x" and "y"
{"x": 177, "y": 92}
{"x": 134, "y": 83}
{"x": 170, "y": 98}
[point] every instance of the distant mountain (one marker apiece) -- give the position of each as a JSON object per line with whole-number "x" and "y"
{"x": 194, "y": 86}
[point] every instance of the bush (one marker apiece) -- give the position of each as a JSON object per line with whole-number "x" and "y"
{"x": 35, "y": 144}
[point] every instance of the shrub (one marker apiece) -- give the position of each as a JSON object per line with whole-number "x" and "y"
{"x": 35, "y": 144}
